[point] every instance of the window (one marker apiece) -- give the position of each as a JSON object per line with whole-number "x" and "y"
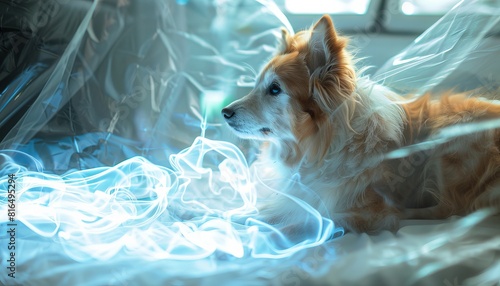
{"x": 327, "y": 6}
{"x": 349, "y": 15}
{"x": 427, "y": 7}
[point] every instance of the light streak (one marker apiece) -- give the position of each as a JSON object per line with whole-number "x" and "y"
{"x": 206, "y": 203}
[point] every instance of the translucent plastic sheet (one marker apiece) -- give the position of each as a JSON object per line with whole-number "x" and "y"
{"x": 460, "y": 52}
{"x": 110, "y": 117}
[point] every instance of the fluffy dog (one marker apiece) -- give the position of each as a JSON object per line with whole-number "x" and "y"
{"x": 363, "y": 149}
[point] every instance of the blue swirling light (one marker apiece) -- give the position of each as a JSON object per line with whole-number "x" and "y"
{"x": 206, "y": 204}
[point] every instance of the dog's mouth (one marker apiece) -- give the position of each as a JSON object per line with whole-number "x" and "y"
{"x": 242, "y": 130}
{"x": 237, "y": 128}
{"x": 265, "y": 130}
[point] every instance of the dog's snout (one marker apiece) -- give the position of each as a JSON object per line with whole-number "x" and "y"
{"x": 227, "y": 113}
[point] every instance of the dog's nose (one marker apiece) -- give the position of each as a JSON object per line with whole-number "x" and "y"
{"x": 227, "y": 113}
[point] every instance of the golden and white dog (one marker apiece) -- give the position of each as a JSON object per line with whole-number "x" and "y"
{"x": 346, "y": 137}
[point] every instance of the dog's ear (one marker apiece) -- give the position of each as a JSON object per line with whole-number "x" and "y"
{"x": 332, "y": 73}
{"x": 324, "y": 44}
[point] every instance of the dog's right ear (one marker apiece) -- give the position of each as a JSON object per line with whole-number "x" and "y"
{"x": 332, "y": 75}
{"x": 324, "y": 44}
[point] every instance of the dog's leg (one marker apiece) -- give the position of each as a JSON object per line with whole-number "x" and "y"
{"x": 489, "y": 198}
{"x": 371, "y": 215}
{"x": 439, "y": 211}
{"x": 369, "y": 222}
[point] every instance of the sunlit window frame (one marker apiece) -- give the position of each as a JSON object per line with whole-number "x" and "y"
{"x": 394, "y": 19}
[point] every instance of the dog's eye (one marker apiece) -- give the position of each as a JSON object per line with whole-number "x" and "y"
{"x": 274, "y": 89}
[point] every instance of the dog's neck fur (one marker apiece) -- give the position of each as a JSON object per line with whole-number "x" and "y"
{"x": 354, "y": 146}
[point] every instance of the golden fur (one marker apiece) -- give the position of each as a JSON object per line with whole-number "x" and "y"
{"x": 346, "y": 137}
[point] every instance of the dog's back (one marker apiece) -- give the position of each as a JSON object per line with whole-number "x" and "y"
{"x": 460, "y": 167}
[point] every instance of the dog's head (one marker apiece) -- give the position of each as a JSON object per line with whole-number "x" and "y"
{"x": 298, "y": 90}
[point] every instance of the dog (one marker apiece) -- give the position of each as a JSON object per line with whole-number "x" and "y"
{"x": 372, "y": 156}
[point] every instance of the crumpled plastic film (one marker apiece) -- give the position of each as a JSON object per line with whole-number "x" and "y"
{"x": 147, "y": 71}
{"x": 459, "y": 52}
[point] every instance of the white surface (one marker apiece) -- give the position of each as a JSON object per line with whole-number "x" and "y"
{"x": 457, "y": 251}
